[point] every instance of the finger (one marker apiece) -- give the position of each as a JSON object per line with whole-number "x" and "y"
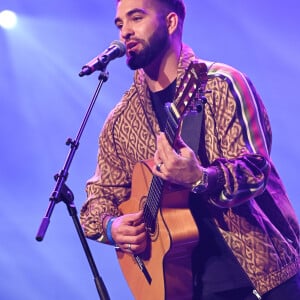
{"x": 140, "y": 229}
{"x": 159, "y": 170}
{"x": 131, "y": 225}
{"x": 167, "y": 152}
{"x": 157, "y": 159}
{"x": 128, "y": 248}
{"x": 125, "y": 247}
{"x": 137, "y": 218}
{"x": 134, "y": 244}
{"x": 162, "y": 145}
{"x": 133, "y": 218}
{"x": 158, "y": 167}
{"x": 131, "y": 248}
{"x": 179, "y": 143}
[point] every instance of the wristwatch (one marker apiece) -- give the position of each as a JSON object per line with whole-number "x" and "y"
{"x": 201, "y": 185}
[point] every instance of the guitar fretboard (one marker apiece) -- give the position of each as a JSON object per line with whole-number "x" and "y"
{"x": 191, "y": 87}
{"x": 153, "y": 203}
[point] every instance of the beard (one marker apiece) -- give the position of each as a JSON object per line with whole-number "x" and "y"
{"x": 151, "y": 49}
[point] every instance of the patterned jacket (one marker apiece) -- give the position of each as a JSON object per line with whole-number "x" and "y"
{"x": 252, "y": 210}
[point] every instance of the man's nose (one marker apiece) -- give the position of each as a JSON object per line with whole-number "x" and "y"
{"x": 126, "y": 32}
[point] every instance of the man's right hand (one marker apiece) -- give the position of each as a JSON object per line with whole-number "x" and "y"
{"x": 129, "y": 234}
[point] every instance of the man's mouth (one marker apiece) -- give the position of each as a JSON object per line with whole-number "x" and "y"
{"x": 131, "y": 46}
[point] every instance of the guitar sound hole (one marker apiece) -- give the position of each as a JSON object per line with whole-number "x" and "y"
{"x": 153, "y": 231}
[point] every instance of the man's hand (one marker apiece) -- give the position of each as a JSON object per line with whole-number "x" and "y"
{"x": 128, "y": 231}
{"x": 180, "y": 167}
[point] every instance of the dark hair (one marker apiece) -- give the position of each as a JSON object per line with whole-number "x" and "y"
{"x": 173, "y": 5}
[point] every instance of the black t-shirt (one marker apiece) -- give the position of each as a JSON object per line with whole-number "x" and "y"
{"x": 214, "y": 266}
{"x": 159, "y": 99}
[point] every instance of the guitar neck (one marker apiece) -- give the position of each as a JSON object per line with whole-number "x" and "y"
{"x": 153, "y": 203}
{"x": 190, "y": 90}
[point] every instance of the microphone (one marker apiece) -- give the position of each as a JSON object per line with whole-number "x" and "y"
{"x": 115, "y": 50}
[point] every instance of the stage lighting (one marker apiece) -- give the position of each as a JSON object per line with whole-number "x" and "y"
{"x": 8, "y": 19}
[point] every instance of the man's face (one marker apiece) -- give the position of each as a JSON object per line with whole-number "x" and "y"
{"x": 143, "y": 29}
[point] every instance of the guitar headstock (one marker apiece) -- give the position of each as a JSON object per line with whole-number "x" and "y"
{"x": 191, "y": 88}
{"x": 190, "y": 91}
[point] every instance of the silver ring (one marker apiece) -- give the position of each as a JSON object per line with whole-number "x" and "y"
{"x": 158, "y": 167}
{"x": 129, "y": 247}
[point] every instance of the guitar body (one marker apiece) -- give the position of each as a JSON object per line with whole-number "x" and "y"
{"x": 168, "y": 255}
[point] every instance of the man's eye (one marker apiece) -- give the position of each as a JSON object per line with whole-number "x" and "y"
{"x": 136, "y": 18}
{"x": 119, "y": 25}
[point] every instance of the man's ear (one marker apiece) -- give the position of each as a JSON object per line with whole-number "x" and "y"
{"x": 172, "y": 22}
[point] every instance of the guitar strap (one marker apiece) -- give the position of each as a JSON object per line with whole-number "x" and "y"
{"x": 191, "y": 129}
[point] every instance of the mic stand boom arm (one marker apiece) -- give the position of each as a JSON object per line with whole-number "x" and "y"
{"x": 63, "y": 193}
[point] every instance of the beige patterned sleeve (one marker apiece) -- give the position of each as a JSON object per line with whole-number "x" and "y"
{"x": 109, "y": 186}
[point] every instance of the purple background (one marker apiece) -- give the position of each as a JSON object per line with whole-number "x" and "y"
{"x": 43, "y": 102}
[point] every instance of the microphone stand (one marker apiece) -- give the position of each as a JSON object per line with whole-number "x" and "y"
{"x": 63, "y": 193}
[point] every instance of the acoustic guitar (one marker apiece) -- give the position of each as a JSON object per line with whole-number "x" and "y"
{"x": 163, "y": 271}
